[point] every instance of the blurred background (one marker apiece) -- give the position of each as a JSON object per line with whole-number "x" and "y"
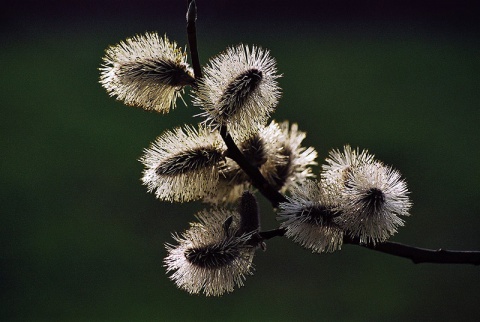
{"x": 82, "y": 240}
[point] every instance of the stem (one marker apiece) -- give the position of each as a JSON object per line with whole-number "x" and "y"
{"x": 423, "y": 255}
{"x": 192, "y": 38}
{"x": 416, "y": 254}
{"x": 258, "y": 180}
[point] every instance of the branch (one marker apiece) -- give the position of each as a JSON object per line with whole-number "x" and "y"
{"x": 192, "y": 38}
{"x": 423, "y": 255}
{"x": 258, "y": 180}
{"x": 415, "y": 254}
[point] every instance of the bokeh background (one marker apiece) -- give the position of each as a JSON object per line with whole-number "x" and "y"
{"x": 81, "y": 240}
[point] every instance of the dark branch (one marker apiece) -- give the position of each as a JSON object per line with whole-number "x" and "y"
{"x": 192, "y": 38}
{"x": 258, "y": 180}
{"x": 423, "y": 255}
{"x": 415, "y": 254}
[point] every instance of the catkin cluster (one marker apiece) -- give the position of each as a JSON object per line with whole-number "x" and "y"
{"x": 354, "y": 196}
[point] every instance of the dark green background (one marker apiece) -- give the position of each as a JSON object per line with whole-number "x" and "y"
{"x": 82, "y": 240}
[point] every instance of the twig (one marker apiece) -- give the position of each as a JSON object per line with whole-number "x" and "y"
{"x": 415, "y": 254}
{"x": 423, "y": 255}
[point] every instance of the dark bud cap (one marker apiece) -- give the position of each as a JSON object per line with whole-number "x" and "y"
{"x": 226, "y": 226}
{"x": 239, "y": 91}
{"x": 249, "y": 214}
{"x": 254, "y": 150}
{"x": 192, "y": 11}
{"x": 212, "y": 256}
{"x": 373, "y": 200}
{"x": 190, "y": 160}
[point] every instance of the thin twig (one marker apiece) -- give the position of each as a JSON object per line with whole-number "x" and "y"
{"x": 423, "y": 255}
{"x": 416, "y": 254}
